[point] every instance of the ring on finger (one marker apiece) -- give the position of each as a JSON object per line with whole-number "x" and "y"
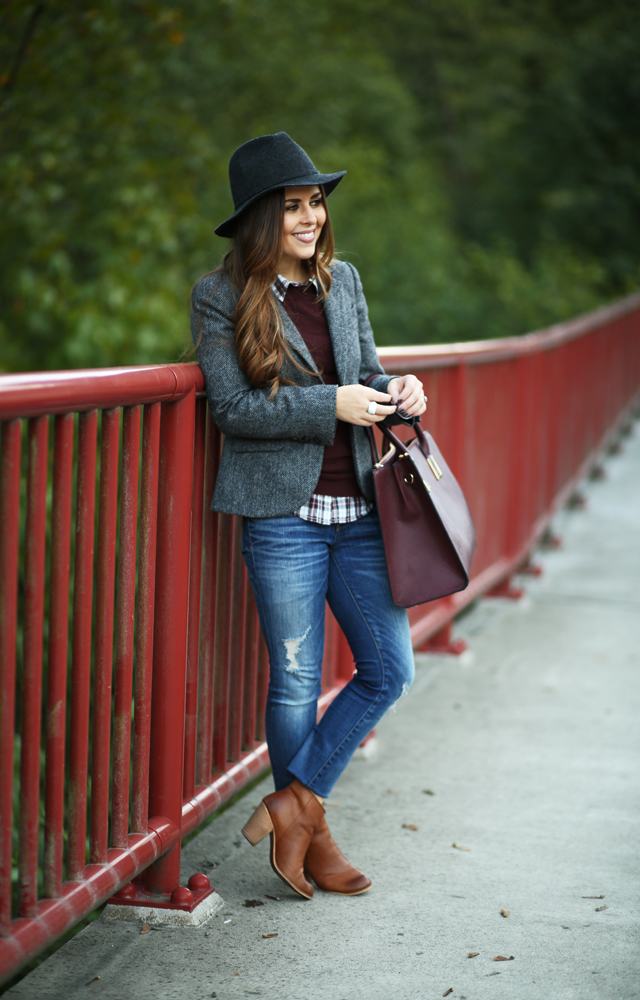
{"x": 372, "y": 408}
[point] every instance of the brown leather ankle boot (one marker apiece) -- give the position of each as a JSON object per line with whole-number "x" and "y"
{"x": 327, "y": 866}
{"x": 290, "y": 816}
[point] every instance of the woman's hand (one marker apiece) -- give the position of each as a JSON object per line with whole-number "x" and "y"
{"x": 407, "y": 392}
{"x": 352, "y": 402}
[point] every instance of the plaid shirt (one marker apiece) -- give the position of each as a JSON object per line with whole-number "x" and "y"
{"x": 322, "y": 509}
{"x": 280, "y": 285}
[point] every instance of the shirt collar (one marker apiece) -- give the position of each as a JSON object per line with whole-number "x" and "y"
{"x": 280, "y": 286}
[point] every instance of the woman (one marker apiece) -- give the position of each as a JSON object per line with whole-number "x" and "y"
{"x": 293, "y": 380}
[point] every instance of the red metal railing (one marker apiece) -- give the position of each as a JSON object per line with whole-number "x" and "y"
{"x": 129, "y": 639}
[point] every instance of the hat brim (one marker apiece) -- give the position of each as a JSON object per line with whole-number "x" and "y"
{"x": 328, "y": 181}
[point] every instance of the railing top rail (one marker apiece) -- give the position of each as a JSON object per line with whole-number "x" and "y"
{"x": 476, "y": 352}
{"x": 34, "y": 393}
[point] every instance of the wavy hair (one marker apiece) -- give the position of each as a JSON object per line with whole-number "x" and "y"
{"x": 251, "y": 264}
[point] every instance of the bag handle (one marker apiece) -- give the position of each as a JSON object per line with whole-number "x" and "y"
{"x": 422, "y": 439}
{"x": 398, "y": 446}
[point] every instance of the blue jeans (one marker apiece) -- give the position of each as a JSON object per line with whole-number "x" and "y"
{"x": 295, "y": 566}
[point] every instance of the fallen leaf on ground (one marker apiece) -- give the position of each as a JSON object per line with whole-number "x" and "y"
{"x": 409, "y": 826}
{"x": 145, "y": 929}
{"x": 336, "y": 805}
{"x": 269, "y": 935}
{"x": 504, "y": 913}
{"x": 594, "y": 897}
{"x": 459, "y": 847}
{"x": 277, "y": 898}
{"x": 599, "y": 909}
{"x": 473, "y": 954}
{"x": 392, "y": 791}
{"x": 450, "y": 990}
{"x": 427, "y": 791}
{"x": 253, "y": 902}
{"x": 503, "y": 958}
{"x": 92, "y": 980}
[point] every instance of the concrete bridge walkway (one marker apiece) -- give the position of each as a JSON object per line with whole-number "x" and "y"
{"x": 525, "y": 753}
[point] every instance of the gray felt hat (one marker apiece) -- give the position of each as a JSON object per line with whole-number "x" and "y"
{"x": 266, "y": 164}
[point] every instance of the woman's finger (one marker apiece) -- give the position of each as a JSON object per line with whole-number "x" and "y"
{"x": 412, "y": 401}
{"x": 416, "y": 399}
{"x": 381, "y": 411}
{"x": 417, "y": 409}
{"x": 414, "y": 405}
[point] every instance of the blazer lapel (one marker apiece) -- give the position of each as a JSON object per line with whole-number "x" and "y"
{"x": 294, "y": 337}
{"x": 340, "y": 337}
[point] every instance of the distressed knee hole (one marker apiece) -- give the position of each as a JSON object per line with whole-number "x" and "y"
{"x": 405, "y": 690}
{"x": 292, "y": 648}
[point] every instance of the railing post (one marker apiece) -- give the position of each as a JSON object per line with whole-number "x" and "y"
{"x": 10, "y": 447}
{"x": 170, "y": 630}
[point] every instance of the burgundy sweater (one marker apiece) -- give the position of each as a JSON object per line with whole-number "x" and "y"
{"x": 337, "y": 476}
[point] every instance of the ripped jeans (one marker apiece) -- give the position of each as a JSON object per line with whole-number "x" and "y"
{"x": 295, "y": 566}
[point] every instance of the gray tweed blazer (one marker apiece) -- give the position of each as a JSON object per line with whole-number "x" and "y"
{"x": 273, "y": 448}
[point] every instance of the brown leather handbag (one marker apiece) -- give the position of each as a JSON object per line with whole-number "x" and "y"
{"x": 428, "y": 532}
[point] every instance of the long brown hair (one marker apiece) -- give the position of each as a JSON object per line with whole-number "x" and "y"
{"x": 252, "y": 264}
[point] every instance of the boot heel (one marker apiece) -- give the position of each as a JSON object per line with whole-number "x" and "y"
{"x": 258, "y": 826}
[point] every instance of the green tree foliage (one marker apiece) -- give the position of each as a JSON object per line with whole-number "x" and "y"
{"x": 493, "y": 169}
{"x": 536, "y": 128}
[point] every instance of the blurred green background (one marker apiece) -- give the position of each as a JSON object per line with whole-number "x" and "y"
{"x": 492, "y": 153}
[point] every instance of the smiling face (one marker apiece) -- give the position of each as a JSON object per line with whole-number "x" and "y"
{"x": 304, "y": 217}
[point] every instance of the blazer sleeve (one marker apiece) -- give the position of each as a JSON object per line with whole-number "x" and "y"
{"x": 302, "y": 413}
{"x": 371, "y": 371}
